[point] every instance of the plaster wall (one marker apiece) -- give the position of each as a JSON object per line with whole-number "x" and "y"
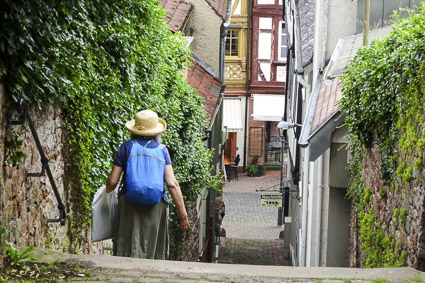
{"x": 338, "y": 228}
{"x": 204, "y": 25}
{"x": 342, "y": 18}
{"x": 338, "y": 175}
{"x": 324, "y": 211}
{"x": 295, "y": 213}
{"x": 312, "y": 217}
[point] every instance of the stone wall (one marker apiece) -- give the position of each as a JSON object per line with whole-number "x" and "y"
{"x": 191, "y": 247}
{"x": 410, "y": 232}
{"x": 27, "y": 203}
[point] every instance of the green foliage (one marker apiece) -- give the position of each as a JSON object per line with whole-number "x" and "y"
{"x": 255, "y": 169}
{"x": 402, "y": 216}
{"x": 14, "y": 256}
{"x": 103, "y": 61}
{"x": 251, "y": 169}
{"x": 12, "y": 145}
{"x": 380, "y": 250}
{"x": 262, "y": 169}
{"x": 384, "y": 89}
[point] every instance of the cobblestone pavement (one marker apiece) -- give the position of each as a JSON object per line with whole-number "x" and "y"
{"x": 250, "y": 184}
{"x": 245, "y": 218}
{"x": 254, "y": 252}
{"x": 252, "y": 233}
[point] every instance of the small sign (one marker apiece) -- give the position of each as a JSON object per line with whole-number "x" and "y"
{"x": 271, "y": 199}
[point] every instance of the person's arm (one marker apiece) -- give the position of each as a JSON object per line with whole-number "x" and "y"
{"x": 113, "y": 178}
{"x": 176, "y": 195}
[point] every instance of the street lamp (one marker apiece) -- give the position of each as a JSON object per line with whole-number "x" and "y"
{"x": 283, "y": 126}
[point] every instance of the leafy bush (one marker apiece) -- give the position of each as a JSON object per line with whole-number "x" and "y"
{"x": 383, "y": 100}
{"x": 255, "y": 169}
{"x": 251, "y": 169}
{"x": 101, "y": 62}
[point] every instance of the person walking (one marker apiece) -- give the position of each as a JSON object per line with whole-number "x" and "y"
{"x": 143, "y": 220}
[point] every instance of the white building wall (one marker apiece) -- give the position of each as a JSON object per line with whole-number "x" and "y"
{"x": 334, "y": 19}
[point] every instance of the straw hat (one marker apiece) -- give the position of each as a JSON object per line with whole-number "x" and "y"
{"x": 146, "y": 123}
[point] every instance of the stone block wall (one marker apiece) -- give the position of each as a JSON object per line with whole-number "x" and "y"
{"x": 27, "y": 203}
{"x": 191, "y": 247}
{"x": 411, "y": 230}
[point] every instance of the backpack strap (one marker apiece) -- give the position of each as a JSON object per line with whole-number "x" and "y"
{"x": 148, "y": 143}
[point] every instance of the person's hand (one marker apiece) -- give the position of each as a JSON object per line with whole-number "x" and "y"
{"x": 184, "y": 224}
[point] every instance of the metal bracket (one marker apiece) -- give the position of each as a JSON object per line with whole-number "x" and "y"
{"x": 44, "y": 161}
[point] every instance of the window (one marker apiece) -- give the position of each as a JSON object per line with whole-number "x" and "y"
{"x": 283, "y": 42}
{"x": 232, "y": 43}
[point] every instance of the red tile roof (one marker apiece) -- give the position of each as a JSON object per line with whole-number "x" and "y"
{"x": 178, "y": 13}
{"x": 220, "y": 7}
{"x": 207, "y": 85}
{"x": 327, "y": 103}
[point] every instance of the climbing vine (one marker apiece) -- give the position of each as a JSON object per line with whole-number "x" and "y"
{"x": 384, "y": 89}
{"x": 101, "y": 62}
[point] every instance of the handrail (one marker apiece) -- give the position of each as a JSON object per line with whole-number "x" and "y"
{"x": 44, "y": 161}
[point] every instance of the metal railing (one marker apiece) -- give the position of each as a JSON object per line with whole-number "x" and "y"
{"x": 44, "y": 161}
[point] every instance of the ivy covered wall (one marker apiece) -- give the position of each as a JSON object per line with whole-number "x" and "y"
{"x": 384, "y": 101}
{"x": 100, "y": 62}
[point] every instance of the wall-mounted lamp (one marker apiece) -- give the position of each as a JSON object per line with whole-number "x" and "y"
{"x": 287, "y": 125}
{"x": 284, "y": 187}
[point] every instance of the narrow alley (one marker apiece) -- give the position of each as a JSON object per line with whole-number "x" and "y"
{"x": 251, "y": 231}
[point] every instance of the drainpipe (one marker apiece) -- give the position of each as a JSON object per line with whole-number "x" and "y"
{"x": 223, "y": 33}
{"x": 318, "y": 210}
{"x": 300, "y": 68}
{"x": 320, "y": 159}
{"x": 247, "y": 95}
{"x": 325, "y": 32}
{"x": 306, "y": 162}
{"x": 306, "y": 166}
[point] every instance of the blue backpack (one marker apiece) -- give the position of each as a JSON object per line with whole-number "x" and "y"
{"x": 145, "y": 174}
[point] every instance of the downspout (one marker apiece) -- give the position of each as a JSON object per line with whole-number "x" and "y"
{"x": 318, "y": 210}
{"x": 247, "y": 95}
{"x": 306, "y": 162}
{"x": 223, "y": 33}
{"x": 320, "y": 159}
{"x": 300, "y": 68}
{"x": 325, "y": 33}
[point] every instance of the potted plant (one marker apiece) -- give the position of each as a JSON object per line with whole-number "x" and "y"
{"x": 255, "y": 169}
